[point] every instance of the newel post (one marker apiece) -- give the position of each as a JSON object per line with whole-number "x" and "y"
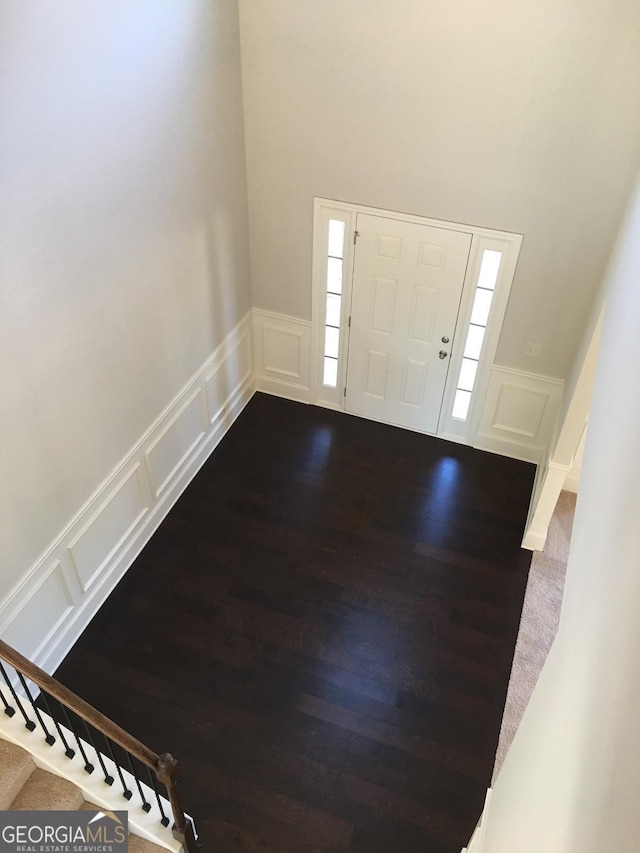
{"x": 167, "y": 773}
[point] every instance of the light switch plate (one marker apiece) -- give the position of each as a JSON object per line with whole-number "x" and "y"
{"x": 533, "y": 350}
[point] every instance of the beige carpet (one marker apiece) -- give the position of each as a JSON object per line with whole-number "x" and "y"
{"x": 539, "y": 622}
{"x": 25, "y": 787}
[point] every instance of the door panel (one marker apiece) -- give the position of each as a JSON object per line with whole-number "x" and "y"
{"x": 407, "y": 287}
{"x": 377, "y": 372}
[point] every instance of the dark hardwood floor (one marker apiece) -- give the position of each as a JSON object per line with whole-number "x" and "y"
{"x": 322, "y": 632}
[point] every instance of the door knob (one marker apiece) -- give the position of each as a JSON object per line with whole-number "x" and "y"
{"x": 443, "y": 353}
{"x": 445, "y": 339}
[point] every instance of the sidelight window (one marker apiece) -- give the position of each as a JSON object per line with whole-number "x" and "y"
{"x": 335, "y": 264}
{"x": 483, "y": 297}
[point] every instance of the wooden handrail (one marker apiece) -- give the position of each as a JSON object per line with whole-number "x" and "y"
{"x": 164, "y": 766}
{"x": 83, "y": 709}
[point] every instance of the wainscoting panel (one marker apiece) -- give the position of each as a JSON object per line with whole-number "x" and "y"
{"x": 175, "y": 442}
{"x": 107, "y": 529}
{"x": 282, "y": 347}
{"x": 519, "y": 413}
{"x": 47, "y": 611}
{"x": 228, "y": 374}
{"x": 517, "y": 418}
{"x": 49, "y": 602}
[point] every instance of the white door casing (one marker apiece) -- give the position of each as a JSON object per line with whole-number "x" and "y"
{"x": 407, "y": 285}
{"x": 334, "y": 396}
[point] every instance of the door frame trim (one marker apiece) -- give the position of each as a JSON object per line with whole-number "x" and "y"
{"x": 481, "y": 238}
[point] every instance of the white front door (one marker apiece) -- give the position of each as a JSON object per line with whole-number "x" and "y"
{"x": 407, "y": 286}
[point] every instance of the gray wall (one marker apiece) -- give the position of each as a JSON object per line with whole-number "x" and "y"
{"x": 571, "y": 777}
{"x": 515, "y": 116}
{"x": 124, "y": 236}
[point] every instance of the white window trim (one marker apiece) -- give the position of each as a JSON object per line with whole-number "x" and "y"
{"x": 323, "y": 211}
{"x": 482, "y": 238}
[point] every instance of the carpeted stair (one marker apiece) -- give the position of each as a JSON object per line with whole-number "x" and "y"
{"x": 23, "y": 786}
{"x": 539, "y": 622}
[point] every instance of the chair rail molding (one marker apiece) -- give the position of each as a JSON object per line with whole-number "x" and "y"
{"x": 45, "y": 613}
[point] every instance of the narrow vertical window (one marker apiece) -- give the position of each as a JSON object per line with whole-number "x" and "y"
{"x": 485, "y": 288}
{"x": 335, "y": 261}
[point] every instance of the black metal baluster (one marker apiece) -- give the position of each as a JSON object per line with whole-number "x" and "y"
{"x": 146, "y": 806}
{"x": 91, "y": 741}
{"x": 126, "y": 793}
{"x": 68, "y": 751}
{"x": 89, "y": 768}
{"x": 154, "y": 784}
{"x": 48, "y": 737}
{"x": 29, "y": 724}
{"x": 9, "y": 711}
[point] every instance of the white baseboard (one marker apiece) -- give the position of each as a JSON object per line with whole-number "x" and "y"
{"x": 543, "y": 505}
{"x": 286, "y": 390}
{"x": 519, "y": 414}
{"x": 282, "y": 353}
{"x": 572, "y": 483}
{"x": 49, "y": 608}
{"x": 476, "y": 845}
{"x": 456, "y": 439}
{"x": 533, "y": 541}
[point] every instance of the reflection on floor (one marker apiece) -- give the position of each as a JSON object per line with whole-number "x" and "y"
{"x": 322, "y": 631}
{"x": 540, "y": 618}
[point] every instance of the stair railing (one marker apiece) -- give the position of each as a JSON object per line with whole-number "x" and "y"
{"x": 58, "y": 713}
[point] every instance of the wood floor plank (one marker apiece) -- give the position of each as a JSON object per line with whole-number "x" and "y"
{"x": 322, "y": 631}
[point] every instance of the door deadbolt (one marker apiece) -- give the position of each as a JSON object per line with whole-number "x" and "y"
{"x": 443, "y": 353}
{"x": 445, "y": 339}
